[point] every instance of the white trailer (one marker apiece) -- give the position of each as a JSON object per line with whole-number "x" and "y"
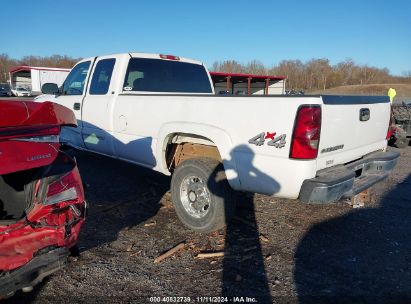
{"x": 32, "y": 78}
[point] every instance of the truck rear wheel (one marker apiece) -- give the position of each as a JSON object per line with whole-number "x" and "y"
{"x": 201, "y": 195}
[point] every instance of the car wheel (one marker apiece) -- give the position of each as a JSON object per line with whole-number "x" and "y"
{"x": 201, "y": 195}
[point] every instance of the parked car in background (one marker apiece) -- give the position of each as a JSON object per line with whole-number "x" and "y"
{"x": 160, "y": 112}
{"x": 42, "y": 204}
{"x": 5, "y": 92}
{"x": 21, "y": 92}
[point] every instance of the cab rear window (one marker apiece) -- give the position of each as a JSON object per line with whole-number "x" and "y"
{"x": 156, "y": 75}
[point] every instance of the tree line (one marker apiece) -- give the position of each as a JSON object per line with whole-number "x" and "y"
{"x": 312, "y": 75}
{"x": 54, "y": 61}
{"x": 315, "y": 74}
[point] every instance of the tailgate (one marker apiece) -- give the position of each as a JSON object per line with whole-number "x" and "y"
{"x": 29, "y": 133}
{"x": 352, "y": 126}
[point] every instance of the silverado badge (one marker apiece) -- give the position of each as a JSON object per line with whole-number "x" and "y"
{"x": 331, "y": 149}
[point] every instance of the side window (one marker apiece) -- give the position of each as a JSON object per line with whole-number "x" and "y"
{"x": 102, "y": 76}
{"x": 75, "y": 81}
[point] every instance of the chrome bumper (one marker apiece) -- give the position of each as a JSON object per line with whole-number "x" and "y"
{"x": 345, "y": 181}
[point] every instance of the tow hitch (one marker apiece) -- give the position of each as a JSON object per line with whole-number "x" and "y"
{"x": 359, "y": 200}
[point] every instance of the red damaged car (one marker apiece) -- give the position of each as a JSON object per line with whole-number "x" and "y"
{"x": 42, "y": 204}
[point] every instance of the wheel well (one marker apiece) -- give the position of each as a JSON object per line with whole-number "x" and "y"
{"x": 182, "y": 146}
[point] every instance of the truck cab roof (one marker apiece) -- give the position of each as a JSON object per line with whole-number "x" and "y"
{"x": 150, "y": 56}
{"x": 162, "y": 56}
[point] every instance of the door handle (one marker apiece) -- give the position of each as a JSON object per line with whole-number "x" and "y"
{"x": 76, "y": 106}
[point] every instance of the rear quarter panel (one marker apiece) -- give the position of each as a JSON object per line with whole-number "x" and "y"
{"x": 263, "y": 169}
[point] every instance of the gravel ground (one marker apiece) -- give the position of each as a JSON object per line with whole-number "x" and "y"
{"x": 275, "y": 250}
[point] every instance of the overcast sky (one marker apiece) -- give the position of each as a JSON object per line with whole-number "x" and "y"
{"x": 376, "y": 33}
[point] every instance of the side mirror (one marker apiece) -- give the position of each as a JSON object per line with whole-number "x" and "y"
{"x": 50, "y": 88}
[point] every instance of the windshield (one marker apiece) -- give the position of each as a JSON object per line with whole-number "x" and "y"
{"x": 75, "y": 81}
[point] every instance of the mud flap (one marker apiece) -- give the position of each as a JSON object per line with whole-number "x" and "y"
{"x": 33, "y": 272}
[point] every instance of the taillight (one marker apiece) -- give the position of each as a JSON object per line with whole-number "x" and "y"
{"x": 306, "y": 135}
{"x": 32, "y": 134}
{"x": 389, "y": 132}
{"x": 66, "y": 188}
{"x": 169, "y": 57}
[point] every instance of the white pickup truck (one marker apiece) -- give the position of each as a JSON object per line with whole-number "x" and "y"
{"x": 160, "y": 112}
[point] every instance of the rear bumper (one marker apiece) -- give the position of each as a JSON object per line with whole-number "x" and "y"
{"x": 345, "y": 181}
{"x": 33, "y": 272}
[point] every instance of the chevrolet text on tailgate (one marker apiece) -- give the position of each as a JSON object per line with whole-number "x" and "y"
{"x": 160, "y": 112}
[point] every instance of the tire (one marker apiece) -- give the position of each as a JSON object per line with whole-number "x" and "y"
{"x": 401, "y": 113}
{"x": 201, "y": 195}
{"x": 401, "y": 143}
{"x": 391, "y": 141}
{"x": 401, "y": 139}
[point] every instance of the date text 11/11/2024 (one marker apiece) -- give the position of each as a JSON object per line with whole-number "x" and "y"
{"x": 203, "y": 299}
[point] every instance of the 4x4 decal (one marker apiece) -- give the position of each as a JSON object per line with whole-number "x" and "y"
{"x": 277, "y": 142}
